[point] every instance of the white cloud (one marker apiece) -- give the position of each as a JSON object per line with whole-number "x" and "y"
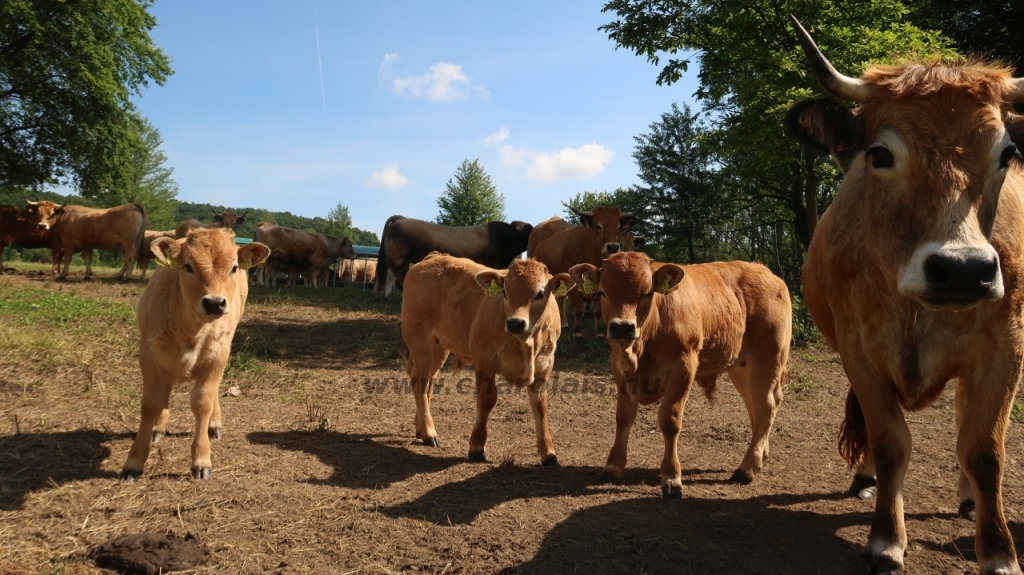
{"x": 565, "y": 164}
{"x": 443, "y": 82}
{"x": 387, "y": 178}
{"x": 497, "y": 137}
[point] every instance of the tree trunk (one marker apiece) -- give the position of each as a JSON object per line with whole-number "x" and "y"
{"x": 810, "y": 192}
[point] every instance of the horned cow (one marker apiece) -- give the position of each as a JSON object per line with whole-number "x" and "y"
{"x": 669, "y": 326}
{"x": 187, "y": 316}
{"x": 503, "y": 322}
{"x": 228, "y": 220}
{"x": 914, "y": 275}
{"x": 25, "y": 228}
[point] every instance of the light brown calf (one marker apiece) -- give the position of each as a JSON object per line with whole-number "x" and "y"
{"x": 669, "y": 326}
{"x": 597, "y": 237}
{"x": 357, "y": 270}
{"x": 503, "y": 322}
{"x": 228, "y": 220}
{"x": 914, "y": 275}
{"x": 82, "y": 229}
{"x": 187, "y": 316}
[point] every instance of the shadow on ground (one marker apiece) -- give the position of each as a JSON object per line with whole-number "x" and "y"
{"x": 367, "y": 342}
{"x": 359, "y": 461}
{"x": 33, "y": 461}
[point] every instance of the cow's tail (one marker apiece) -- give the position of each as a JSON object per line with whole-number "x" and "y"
{"x": 140, "y": 239}
{"x": 853, "y": 433}
{"x": 382, "y": 262}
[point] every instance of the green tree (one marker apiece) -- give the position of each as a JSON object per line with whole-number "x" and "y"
{"x": 985, "y": 27}
{"x": 149, "y": 181}
{"x": 339, "y": 222}
{"x": 68, "y": 71}
{"x": 470, "y": 198}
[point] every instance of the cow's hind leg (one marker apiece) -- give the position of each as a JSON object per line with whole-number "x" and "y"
{"x": 964, "y": 491}
{"x": 68, "y": 254}
{"x": 424, "y": 363}
{"x": 160, "y": 427}
{"x": 757, "y": 384}
{"x": 561, "y": 311}
{"x": 486, "y": 397}
{"x": 577, "y": 313}
{"x": 87, "y": 256}
{"x": 981, "y": 451}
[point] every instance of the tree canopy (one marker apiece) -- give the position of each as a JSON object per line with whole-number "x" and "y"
{"x": 469, "y": 198}
{"x": 68, "y": 71}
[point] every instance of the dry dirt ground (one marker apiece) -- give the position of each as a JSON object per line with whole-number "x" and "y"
{"x": 317, "y": 475}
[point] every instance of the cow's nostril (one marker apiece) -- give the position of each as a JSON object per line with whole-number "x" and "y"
{"x": 612, "y": 248}
{"x": 215, "y": 305}
{"x": 621, "y": 330}
{"x": 515, "y": 325}
{"x": 962, "y": 273}
{"x": 934, "y": 271}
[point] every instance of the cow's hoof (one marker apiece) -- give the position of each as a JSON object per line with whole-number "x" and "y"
{"x": 599, "y": 335}
{"x": 433, "y": 442}
{"x": 550, "y": 462}
{"x": 477, "y": 457}
{"x": 62, "y": 278}
{"x": 129, "y": 475}
{"x": 608, "y": 477}
{"x": 864, "y": 487}
{"x": 742, "y": 477}
{"x": 671, "y": 492}
{"x": 201, "y": 473}
{"x": 883, "y": 566}
{"x": 577, "y": 334}
{"x": 87, "y": 279}
{"x": 156, "y": 437}
{"x": 967, "y": 509}
{"x": 215, "y": 432}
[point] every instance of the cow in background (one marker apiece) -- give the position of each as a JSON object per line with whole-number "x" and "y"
{"x": 406, "y": 241}
{"x": 357, "y": 270}
{"x": 25, "y": 228}
{"x": 187, "y": 316}
{"x": 503, "y": 322}
{"x": 82, "y": 229}
{"x": 670, "y": 326}
{"x": 147, "y": 254}
{"x": 914, "y": 273}
{"x": 596, "y": 237}
{"x": 227, "y": 220}
{"x": 308, "y": 252}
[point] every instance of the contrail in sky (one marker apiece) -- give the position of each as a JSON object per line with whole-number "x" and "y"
{"x": 318, "y": 60}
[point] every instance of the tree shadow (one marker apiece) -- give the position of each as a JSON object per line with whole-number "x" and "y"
{"x": 359, "y": 461}
{"x": 371, "y": 341}
{"x": 964, "y": 546}
{"x": 33, "y": 461}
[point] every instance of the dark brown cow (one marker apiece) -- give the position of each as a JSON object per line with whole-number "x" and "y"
{"x": 82, "y": 229}
{"x": 222, "y": 220}
{"x": 406, "y": 241}
{"x": 914, "y": 274}
{"x": 503, "y": 322}
{"x": 597, "y": 237}
{"x": 669, "y": 326}
{"x": 23, "y": 227}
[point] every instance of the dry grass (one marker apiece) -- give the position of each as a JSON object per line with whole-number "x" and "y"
{"x": 292, "y": 494}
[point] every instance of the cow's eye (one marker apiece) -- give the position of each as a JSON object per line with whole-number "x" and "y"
{"x": 540, "y": 295}
{"x": 597, "y": 227}
{"x": 188, "y": 268}
{"x": 881, "y": 157}
{"x": 1009, "y": 153}
{"x": 234, "y": 268}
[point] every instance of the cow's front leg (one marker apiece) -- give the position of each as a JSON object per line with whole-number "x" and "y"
{"x": 203, "y": 399}
{"x": 69, "y": 253}
{"x": 538, "y": 392}
{"x": 156, "y": 393}
{"x": 980, "y": 449}
{"x": 216, "y": 428}
{"x": 486, "y": 397}
{"x": 87, "y": 256}
{"x": 670, "y": 421}
{"x": 625, "y": 414}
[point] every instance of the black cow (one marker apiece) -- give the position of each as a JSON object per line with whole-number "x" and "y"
{"x": 406, "y": 241}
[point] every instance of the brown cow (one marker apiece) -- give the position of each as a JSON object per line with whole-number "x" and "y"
{"x": 504, "y": 322}
{"x": 187, "y": 316}
{"x": 29, "y": 228}
{"x": 147, "y": 255}
{"x": 309, "y": 252}
{"x": 357, "y": 270}
{"x": 222, "y": 220}
{"x": 597, "y": 237}
{"x": 914, "y": 274}
{"x": 669, "y": 326}
{"x": 82, "y": 229}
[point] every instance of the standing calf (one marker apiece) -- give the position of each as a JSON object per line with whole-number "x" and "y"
{"x": 187, "y": 316}
{"x": 504, "y": 322}
{"x": 669, "y": 326}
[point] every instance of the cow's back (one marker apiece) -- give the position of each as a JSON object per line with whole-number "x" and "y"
{"x": 569, "y": 247}
{"x": 543, "y": 231}
{"x": 409, "y": 241}
{"x": 104, "y": 229}
{"x": 441, "y": 300}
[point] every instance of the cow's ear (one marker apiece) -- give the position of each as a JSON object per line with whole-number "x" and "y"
{"x": 586, "y": 276}
{"x": 252, "y": 254}
{"x": 169, "y": 252}
{"x": 586, "y": 218}
{"x": 560, "y": 285}
{"x": 666, "y": 279}
{"x": 828, "y": 127}
{"x": 492, "y": 282}
{"x": 218, "y": 218}
{"x": 626, "y": 221}
{"x": 639, "y": 242}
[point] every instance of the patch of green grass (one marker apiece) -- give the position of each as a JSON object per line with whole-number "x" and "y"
{"x": 39, "y": 307}
{"x": 1017, "y": 412}
{"x": 800, "y": 385}
{"x": 805, "y": 333}
{"x": 247, "y": 351}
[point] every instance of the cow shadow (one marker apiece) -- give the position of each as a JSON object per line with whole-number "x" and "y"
{"x": 359, "y": 461}
{"x": 342, "y": 297}
{"x": 33, "y": 461}
{"x": 339, "y": 344}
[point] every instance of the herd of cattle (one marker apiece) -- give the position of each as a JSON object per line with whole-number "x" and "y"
{"x": 913, "y": 276}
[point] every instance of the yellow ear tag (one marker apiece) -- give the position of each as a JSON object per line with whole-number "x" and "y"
{"x": 664, "y": 289}
{"x": 562, "y": 289}
{"x": 495, "y": 290}
{"x": 246, "y": 262}
{"x": 589, "y": 286}
{"x": 171, "y": 264}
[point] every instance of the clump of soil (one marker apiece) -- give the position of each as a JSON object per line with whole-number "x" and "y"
{"x": 150, "y": 553}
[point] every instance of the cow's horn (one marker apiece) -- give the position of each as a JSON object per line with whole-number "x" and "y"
{"x": 1017, "y": 95}
{"x": 215, "y": 212}
{"x": 29, "y": 202}
{"x": 840, "y": 86}
{"x": 243, "y": 215}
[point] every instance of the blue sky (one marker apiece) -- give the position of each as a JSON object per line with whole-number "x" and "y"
{"x": 410, "y": 90}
